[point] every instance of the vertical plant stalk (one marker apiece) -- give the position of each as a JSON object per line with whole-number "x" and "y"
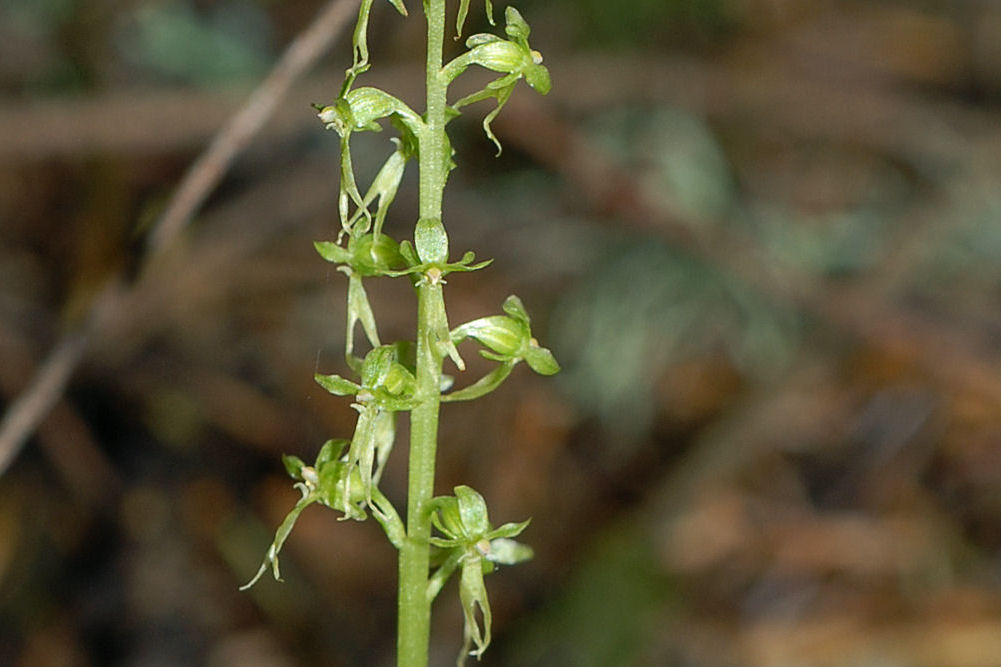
{"x": 414, "y": 603}
{"x": 402, "y": 377}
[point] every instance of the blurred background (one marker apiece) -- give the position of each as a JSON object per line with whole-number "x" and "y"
{"x": 763, "y": 237}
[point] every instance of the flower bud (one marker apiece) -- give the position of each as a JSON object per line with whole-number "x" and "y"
{"x": 501, "y": 334}
{"x": 374, "y": 256}
{"x": 499, "y": 56}
{"x": 369, "y": 105}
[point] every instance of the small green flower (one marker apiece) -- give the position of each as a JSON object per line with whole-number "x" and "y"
{"x": 386, "y": 387}
{"x": 507, "y": 339}
{"x": 327, "y": 482}
{"x": 512, "y": 57}
{"x": 475, "y": 546}
{"x": 359, "y": 110}
{"x": 367, "y": 255}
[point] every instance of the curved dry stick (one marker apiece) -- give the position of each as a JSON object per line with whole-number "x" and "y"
{"x": 25, "y": 414}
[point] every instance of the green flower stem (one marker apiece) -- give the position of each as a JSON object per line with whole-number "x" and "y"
{"x": 388, "y": 383}
{"x": 414, "y": 606}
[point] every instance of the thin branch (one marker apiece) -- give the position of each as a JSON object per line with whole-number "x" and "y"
{"x": 47, "y": 386}
{"x": 24, "y": 414}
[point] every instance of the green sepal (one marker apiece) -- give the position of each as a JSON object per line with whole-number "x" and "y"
{"x": 337, "y": 385}
{"x": 517, "y": 27}
{"x": 341, "y": 489}
{"x": 472, "y": 511}
{"x": 481, "y": 38}
{"x": 464, "y": 521}
{"x": 431, "y": 241}
{"x": 332, "y": 252}
{"x": 540, "y": 359}
{"x": 446, "y": 518}
{"x": 293, "y": 466}
{"x": 376, "y": 366}
{"x": 417, "y": 268}
{"x": 371, "y": 104}
{"x": 509, "y": 530}
{"x": 330, "y": 451}
{"x": 498, "y": 55}
{"x": 515, "y": 308}
{"x": 389, "y": 382}
{"x": 359, "y": 109}
{"x": 409, "y": 255}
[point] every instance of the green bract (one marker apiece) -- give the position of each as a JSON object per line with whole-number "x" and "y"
{"x": 408, "y": 376}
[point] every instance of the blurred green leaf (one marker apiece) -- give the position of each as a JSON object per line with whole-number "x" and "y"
{"x": 646, "y": 307}
{"x": 176, "y": 41}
